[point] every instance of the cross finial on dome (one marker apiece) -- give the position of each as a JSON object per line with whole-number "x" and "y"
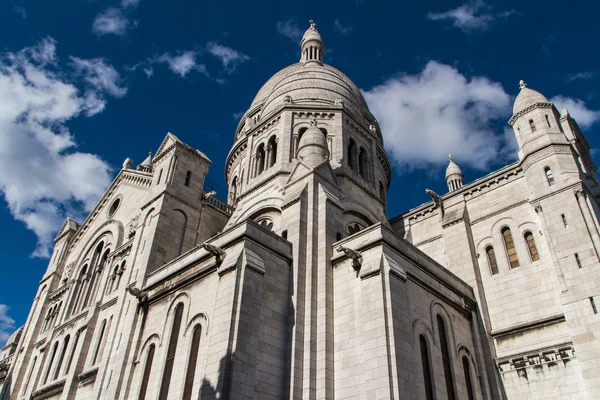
{"x": 450, "y": 157}
{"x": 522, "y": 84}
{"x": 312, "y": 24}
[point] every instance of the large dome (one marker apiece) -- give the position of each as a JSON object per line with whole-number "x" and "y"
{"x": 309, "y": 83}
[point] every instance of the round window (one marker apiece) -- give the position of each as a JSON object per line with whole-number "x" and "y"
{"x": 114, "y": 206}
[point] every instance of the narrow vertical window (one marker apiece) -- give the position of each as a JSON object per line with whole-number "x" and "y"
{"x": 578, "y": 260}
{"x": 511, "y": 251}
{"x": 533, "y": 253}
{"x": 159, "y": 176}
{"x": 381, "y": 191}
{"x": 166, "y": 378}
{"x": 50, "y": 362}
{"x": 192, "y": 361}
{"x": 61, "y": 357}
{"x": 362, "y": 163}
{"x": 446, "y": 358}
{"x": 468, "y": 381}
{"x": 147, "y": 370}
{"x": 532, "y": 125}
{"x": 548, "y": 121}
{"x": 549, "y": 176}
{"x": 491, "y": 256}
{"x": 564, "y": 220}
{"x": 284, "y": 234}
{"x": 426, "y": 368}
{"x": 593, "y": 303}
{"x": 188, "y": 176}
{"x": 29, "y": 376}
{"x": 99, "y": 343}
{"x": 72, "y": 354}
{"x": 272, "y": 151}
{"x": 351, "y": 154}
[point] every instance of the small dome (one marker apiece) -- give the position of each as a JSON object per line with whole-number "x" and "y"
{"x": 527, "y": 97}
{"x": 452, "y": 169}
{"x": 312, "y": 148}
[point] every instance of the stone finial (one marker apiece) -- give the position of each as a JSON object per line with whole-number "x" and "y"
{"x": 312, "y": 24}
{"x": 522, "y": 84}
{"x": 128, "y": 163}
{"x": 450, "y": 158}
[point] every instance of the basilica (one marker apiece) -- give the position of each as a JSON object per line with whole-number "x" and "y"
{"x": 299, "y": 286}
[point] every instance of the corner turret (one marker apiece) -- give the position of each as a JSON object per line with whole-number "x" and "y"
{"x": 454, "y": 176}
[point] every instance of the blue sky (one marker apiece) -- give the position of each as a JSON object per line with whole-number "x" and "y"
{"x": 85, "y": 84}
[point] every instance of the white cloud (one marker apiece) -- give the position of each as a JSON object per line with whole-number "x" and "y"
{"x": 343, "y": 29}
{"x": 129, "y": 3}
{"x": 183, "y": 63}
{"x": 230, "y": 58}
{"x": 112, "y": 21}
{"x": 471, "y": 16}
{"x": 439, "y": 111}
{"x": 289, "y": 29}
{"x": 42, "y": 177}
{"x": 7, "y": 325}
{"x": 581, "y": 76}
{"x": 100, "y": 75}
{"x": 578, "y": 110}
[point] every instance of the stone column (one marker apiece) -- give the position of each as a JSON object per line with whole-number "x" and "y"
{"x": 588, "y": 219}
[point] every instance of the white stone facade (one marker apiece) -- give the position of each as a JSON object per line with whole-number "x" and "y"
{"x": 300, "y": 288}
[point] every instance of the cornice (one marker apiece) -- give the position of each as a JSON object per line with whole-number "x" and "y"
{"x": 528, "y": 109}
{"x": 433, "y": 239}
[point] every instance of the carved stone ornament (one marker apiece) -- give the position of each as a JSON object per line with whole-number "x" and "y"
{"x": 132, "y": 226}
{"x": 353, "y": 254}
{"x": 218, "y": 252}
{"x": 67, "y": 272}
{"x": 538, "y": 209}
{"x": 339, "y": 101}
{"x": 287, "y": 100}
{"x": 437, "y": 200}
{"x": 141, "y": 295}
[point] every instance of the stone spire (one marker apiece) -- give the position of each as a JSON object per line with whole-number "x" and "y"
{"x": 312, "y": 45}
{"x": 146, "y": 165}
{"x": 454, "y": 176}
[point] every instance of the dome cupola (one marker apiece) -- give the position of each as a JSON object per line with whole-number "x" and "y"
{"x": 454, "y": 176}
{"x": 527, "y": 97}
{"x": 312, "y": 148}
{"x": 312, "y": 45}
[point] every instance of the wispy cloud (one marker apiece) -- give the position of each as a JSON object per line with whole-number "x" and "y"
{"x": 129, "y": 3}
{"x": 38, "y": 96}
{"x": 183, "y": 63}
{"x": 21, "y": 11}
{"x": 581, "y": 76}
{"x": 471, "y": 16}
{"x": 110, "y": 22}
{"x": 289, "y": 29}
{"x": 7, "y": 325}
{"x": 230, "y": 58}
{"x": 585, "y": 116}
{"x": 343, "y": 29}
{"x": 238, "y": 115}
{"x": 438, "y": 111}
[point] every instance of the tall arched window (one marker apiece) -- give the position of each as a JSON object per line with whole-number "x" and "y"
{"x": 509, "y": 245}
{"x": 381, "y": 191}
{"x": 468, "y": 381}
{"x": 147, "y": 370}
{"x": 73, "y": 350}
{"x": 491, "y": 256}
{"x": 180, "y": 224}
{"x": 260, "y": 159}
{"x": 427, "y": 380}
{"x": 99, "y": 342}
{"x": 233, "y": 192}
{"x": 166, "y": 378}
{"x": 272, "y": 151}
{"x": 533, "y": 253}
{"x": 78, "y": 289}
{"x": 50, "y": 362}
{"x": 26, "y": 385}
{"x": 352, "y": 154}
{"x": 61, "y": 357}
{"x": 549, "y": 176}
{"x": 362, "y": 163}
{"x": 192, "y": 361}
{"x": 532, "y": 125}
{"x": 447, "y": 361}
{"x": 188, "y": 176}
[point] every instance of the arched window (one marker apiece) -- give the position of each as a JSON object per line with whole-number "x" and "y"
{"x": 188, "y": 176}
{"x": 29, "y": 376}
{"x": 147, "y": 370}
{"x": 180, "y": 224}
{"x": 166, "y": 378}
{"x": 118, "y": 274}
{"x": 533, "y": 253}
{"x": 272, "y": 146}
{"x": 260, "y": 159}
{"x": 427, "y": 381}
{"x": 381, "y": 191}
{"x": 549, "y": 176}
{"x": 78, "y": 289}
{"x": 352, "y": 154}
{"x": 447, "y": 361}
{"x": 50, "y": 362}
{"x": 354, "y": 227}
{"x": 192, "y": 361}
{"x": 532, "y": 125}
{"x": 491, "y": 256}
{"x": 99, "y": 342}
{"x": 548, "y": 121}
{"x": 362, "y": 163}
{"x": 61, "y": 357}
{"x": 509, "y": 244}
{"x": 73, "y": 350}
{"x": 468, "y": 381}
{"x": 233, "y": 191}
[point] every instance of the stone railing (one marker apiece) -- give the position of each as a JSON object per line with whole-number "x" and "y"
{"x": 137, "y": 178}
{"x": 219, "y": 205}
